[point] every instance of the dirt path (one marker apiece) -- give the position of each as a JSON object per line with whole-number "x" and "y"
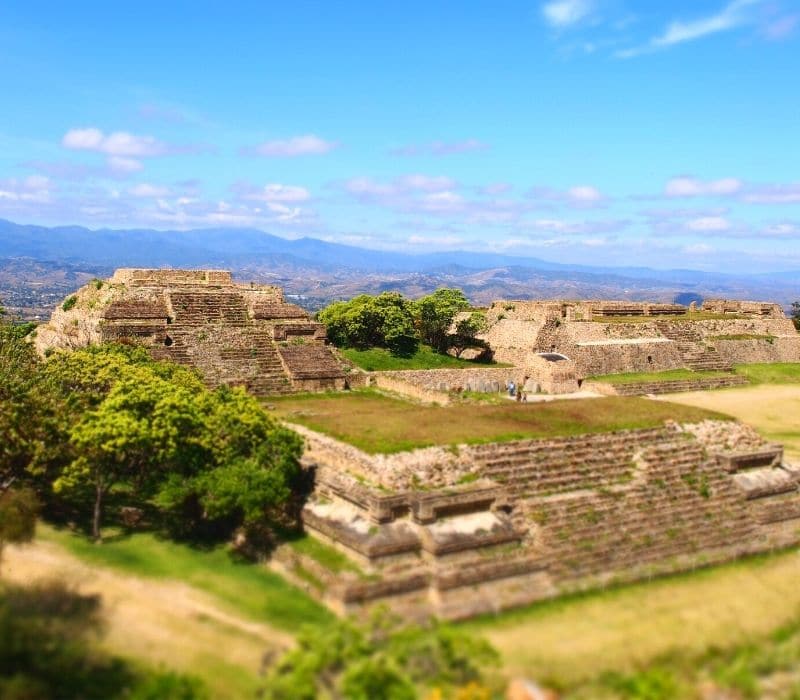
{"x": 162, "y": 622}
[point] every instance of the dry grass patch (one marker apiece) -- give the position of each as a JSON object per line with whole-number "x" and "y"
{"x": 567, "y": 642}
{"x": 773, "y": 409}
{"x": 378, "y": 423}
{"x": 165, "y": 623}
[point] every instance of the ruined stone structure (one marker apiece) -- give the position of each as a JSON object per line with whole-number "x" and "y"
{"x": 599, "y": 339}
{"x": 472, "y": 530}
{"x": 234, "y": 334}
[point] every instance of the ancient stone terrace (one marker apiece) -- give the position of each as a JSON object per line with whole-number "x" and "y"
{"x": 610, "y": 337}
{"x": 472, "y": 529}
{"x": 234, "y": 334}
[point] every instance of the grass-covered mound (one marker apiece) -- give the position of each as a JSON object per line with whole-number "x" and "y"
{"x": 425, "y": 357}
{"x": 377, "y": 423}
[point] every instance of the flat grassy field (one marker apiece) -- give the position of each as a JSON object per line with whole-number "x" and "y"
{"x": 380, "y": 360}
{"x": 377, "y": 423}
{"x": 665, "y": 376}
{"x": 675, "y": 624}
{"x": 773, "y": 409}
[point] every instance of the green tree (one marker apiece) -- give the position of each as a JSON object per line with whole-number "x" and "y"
{"x": 795, "y": 314}
{"x": 154, "y": 429}
{"x": 466, "y": 332}
{"x": 435, "y": 314}
{"x": 381, "y": 659}
{"x": 385, "y": 320}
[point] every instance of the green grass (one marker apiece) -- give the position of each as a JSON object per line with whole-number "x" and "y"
{"x": 687, "y": 317}
{"x": 332, "y": 559}
{"x": 377, "y": 423}
{"x": 248, "y": 588}
{"x": 665, "y": 376}
{"x": 744, "y": 618}
{"x": 744, "y": 336}
{"x": 771, "y": 373}
{"x": 380, "y": 359}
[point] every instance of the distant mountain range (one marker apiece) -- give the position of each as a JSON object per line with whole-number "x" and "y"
{"x": 33, "y": 258}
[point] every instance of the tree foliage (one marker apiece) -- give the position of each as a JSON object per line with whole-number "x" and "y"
{"x": 466, "y": 332}
{"x": 384, "y": 321}
{"x": 795, "y": 314}
{"x": 379, "y": 660}
{"x": 156, "y": 430}
{"x": 388, "y": 320}
{"x": 87, "y": 422}
{"x": 435, "y": 314}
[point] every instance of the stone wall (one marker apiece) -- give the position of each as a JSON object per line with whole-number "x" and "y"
{"x": 756, "y": 332}
{"x": 201, "y": 318}
{"x": 501, "y": 525}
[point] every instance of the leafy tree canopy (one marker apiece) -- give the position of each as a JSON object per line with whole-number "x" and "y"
{"x": 385, "y": 320}
{"x": 795, "y": 314}
{"x": 155, "y": 428}
{"x": 379, "y": 660}
{"x": 435, "y": 314}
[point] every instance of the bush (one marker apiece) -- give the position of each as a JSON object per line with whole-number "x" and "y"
{"x": 69, "y": 303}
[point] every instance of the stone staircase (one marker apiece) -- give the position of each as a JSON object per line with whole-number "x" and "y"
{"x": 193, "y": 308}
{"x": 696, "y": 355}
{"x": 671, "y": 386}
{"x": 683, "y": 505}
{"x": 211, "y": 331}
{"x": 536, "y": 468}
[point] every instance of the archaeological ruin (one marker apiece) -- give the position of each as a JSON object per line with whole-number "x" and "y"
{"x": 466, "y": 529}
{"x": 234, "y": 334}
{"x": 458, "y": 532}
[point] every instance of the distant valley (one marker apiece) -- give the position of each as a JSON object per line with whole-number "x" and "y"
{"x": 40, "y": 265}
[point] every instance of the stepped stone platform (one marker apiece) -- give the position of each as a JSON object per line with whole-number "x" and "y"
{"x": 612, "y": 337}
{"x": 458, "y": 532}
{"x": 234, "y": 334}
{"x": 670, "y": 386}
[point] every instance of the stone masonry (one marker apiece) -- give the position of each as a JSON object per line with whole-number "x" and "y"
{"x": 234, "y": 334}
{"x": 457, "y": 532}
{"x": 597, "y": 337}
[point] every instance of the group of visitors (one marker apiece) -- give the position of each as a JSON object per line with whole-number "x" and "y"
{"x": 517, "y": 392}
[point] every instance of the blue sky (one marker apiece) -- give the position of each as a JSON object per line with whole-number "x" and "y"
{"x": 590, "y": 131}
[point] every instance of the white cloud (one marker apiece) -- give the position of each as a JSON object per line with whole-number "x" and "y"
{"x": 425, "y": 183}
{"x": 34, "y": 188}
{"x": 124, "y": 166}
{"x": 565, "y": 13}
{"x": 773, "y": 194}
{"x": 698, "y": 249}
{"x": 442, "y": 202}
{"x": 145, "y": 189}
{"x": 731, "y": 16}
{"x": 584, "y": 194}
{"x": 708, "y": 224}
{"x": 580, "y": 196}
{"x": 275, "y": 192}
{"x": 692, "y": 187}
{"x": 305, "y": 145}
{"x": 117, "y": 144}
